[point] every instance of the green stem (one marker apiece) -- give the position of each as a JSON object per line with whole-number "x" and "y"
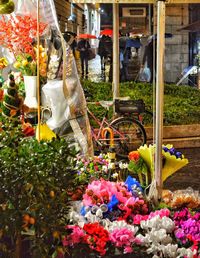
{"x": 140, "y": 178}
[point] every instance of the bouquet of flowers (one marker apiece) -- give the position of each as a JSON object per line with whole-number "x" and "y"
{"x": 27, "y": 65}
{"x": 113, "y": 201}
{"x": 138, "y": 166}
{"x": 173, "y": 160}
{"x": 17, "y": 34}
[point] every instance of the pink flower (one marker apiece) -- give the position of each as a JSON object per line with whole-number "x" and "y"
{"x": 128, "y": 249}
{"x": 75, "y": 237}
{"x": 123, "y": 238}
{"x": 138, "y": 218}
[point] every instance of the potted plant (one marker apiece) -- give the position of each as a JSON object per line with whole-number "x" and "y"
{"x": 33, "y": 196}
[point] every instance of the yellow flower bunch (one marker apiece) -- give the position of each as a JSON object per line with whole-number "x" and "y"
{"x": 43, "y": 60}
{"x": 28, "y": 66}
{"x": 3, "y": 63}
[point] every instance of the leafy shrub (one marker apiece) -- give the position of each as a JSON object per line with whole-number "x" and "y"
{"x": 33, "y": 181}
{"x": 181, "y": 103}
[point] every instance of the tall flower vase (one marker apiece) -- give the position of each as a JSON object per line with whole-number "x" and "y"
{"x": 30, "y": 84}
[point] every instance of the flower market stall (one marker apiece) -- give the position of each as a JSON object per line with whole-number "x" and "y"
{"x": 56, "y": 68}
{"x": 57, "y": 201}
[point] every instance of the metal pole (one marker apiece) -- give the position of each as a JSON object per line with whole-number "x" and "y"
{"x": 159, "y": 94}
{"x": 115, "y": 51}
{"x": 38, "y": 65}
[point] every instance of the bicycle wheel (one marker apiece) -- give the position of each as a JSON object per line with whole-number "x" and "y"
{"x": 129, "y": 135}
{"x": 147, "y": 118}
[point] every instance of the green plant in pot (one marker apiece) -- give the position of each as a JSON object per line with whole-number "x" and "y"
{"x": 33, "y": 198}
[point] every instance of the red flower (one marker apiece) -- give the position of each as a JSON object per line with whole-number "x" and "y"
{"x": 96, "y": 236}
{"x": 134, "y": 155}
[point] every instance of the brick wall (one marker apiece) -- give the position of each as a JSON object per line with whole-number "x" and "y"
{"x": 176, "y": 48}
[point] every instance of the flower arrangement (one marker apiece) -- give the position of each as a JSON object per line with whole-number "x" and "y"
{"x": 27, "y": 65}
{"x": 17, "y": 33}
{"x": 172, "y": 159}
{"x": 138, "y": 166}
{"x": 128, "y": 226}
{"x": 116, "y": 235}
{"x": 182, "y": 198}
{"x": 113, "y": 200}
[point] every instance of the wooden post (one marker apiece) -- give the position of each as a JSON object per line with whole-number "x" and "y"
{"x": 115, "y": 51}
{"x": 159, "y": 94}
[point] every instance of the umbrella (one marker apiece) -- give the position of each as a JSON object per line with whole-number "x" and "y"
{"x": 86, "y": 36}
{"x": 125, "y": 42}
{"x": 107, "y": 32}
{"x": 133, "y": 43}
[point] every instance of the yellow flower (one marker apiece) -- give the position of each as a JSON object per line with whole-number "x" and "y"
{"x": 3, "y": 62}
{"x": 25, "y": 62}
{"x": 17, "y": 65}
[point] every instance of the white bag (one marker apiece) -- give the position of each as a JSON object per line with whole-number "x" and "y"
{"x": 144, "y": 74}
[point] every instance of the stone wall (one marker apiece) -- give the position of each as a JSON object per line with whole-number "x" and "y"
{"x": 63, "y": 9}
{"x": 177, "y": 47}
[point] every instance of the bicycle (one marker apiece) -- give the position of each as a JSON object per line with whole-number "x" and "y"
{"x": 129, "y": 133}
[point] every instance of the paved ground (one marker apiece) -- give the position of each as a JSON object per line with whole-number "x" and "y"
{"x": 188, "y": 176}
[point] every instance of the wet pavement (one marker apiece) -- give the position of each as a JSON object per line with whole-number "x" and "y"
{"x": 188, "y": 176}
{"x": 95, "y": 73}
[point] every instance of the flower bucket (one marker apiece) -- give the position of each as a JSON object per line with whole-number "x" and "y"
{"x": 30, "y": 83}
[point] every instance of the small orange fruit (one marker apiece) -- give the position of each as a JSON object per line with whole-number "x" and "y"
{"x": 26, "y": 218}
{"x": 52, "y": 194}
{"x": 56, "y": 234}
{"x": 32, "y": 221}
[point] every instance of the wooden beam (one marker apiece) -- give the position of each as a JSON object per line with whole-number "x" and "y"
{"x": 116, "y": 69}
{"x": 136, "y": 1}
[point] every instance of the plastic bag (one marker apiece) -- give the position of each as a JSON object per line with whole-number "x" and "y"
{"x": 145, "y": 74}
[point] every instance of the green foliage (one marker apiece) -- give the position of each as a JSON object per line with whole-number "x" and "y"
{"x": 181, "y": 103}
{"x": 33, "y": 181}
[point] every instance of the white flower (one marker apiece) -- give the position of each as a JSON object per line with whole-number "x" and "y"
{"x": 104, "y": 168}
{"x": 123, "y": 165}
{"x": 111, "y": 226}
{"x": 158, "y": 223}
{"x": 185, "y": 252}
{"x": 115, "y": 175}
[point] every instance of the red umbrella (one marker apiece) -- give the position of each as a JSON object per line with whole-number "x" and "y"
{"x": 86, "y": 36}
{"x": 107, "y": 32}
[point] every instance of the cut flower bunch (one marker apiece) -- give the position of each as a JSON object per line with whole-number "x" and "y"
{"x": 27, "y": 64}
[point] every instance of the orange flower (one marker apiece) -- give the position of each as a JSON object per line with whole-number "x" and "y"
{"x": 13, "y": 112}
{"x": 134, "y": 155}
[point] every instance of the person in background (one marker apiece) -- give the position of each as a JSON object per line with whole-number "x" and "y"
{"x": 149, "y": 57}
{"x": 70, "y": 38}
{"x": 83, "y": 46}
